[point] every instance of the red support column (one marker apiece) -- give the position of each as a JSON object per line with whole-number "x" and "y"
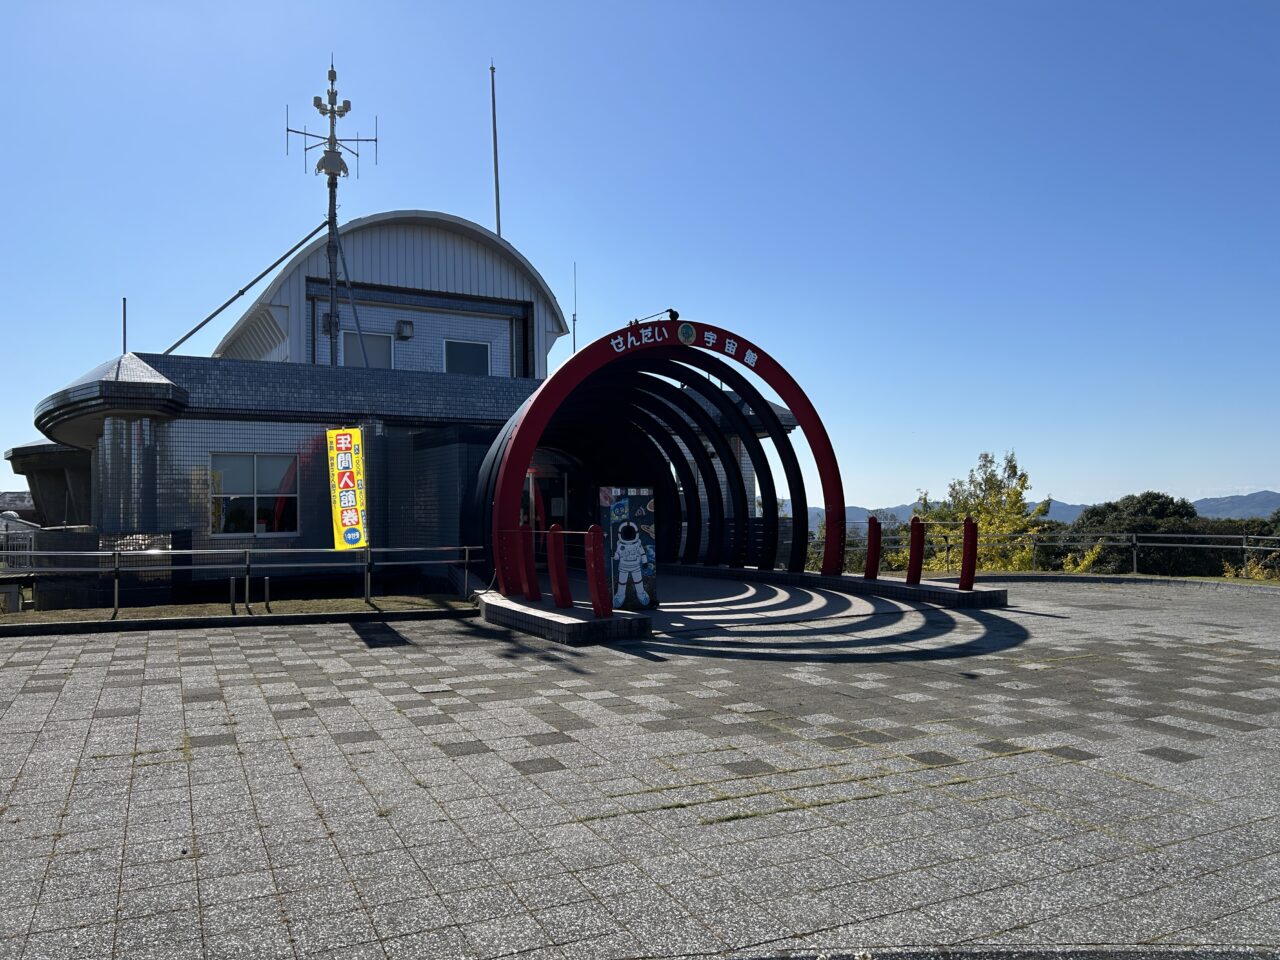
{"x": 556, "y": 566}
{"x": 873, "y": 548}
{"x": 915, "y": 559}
{"x": 969, "y": 554}
{"x": 530, "y": 572}
{"x": 597, "y": 583}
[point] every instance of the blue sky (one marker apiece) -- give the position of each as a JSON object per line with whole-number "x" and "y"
{"x": 1049, "y": 227}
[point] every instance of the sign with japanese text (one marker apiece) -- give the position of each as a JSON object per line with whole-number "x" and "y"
{"x": 346, "y": 488}
{"x": 647, "y": 334}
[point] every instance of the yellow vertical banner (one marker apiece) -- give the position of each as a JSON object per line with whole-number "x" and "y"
{"x": 346, "y": 488}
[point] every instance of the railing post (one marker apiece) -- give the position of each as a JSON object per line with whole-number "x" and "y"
{"x": 231, "y": 580}
{"x": 1033, "y": 552}
{"x": 969, "y": 554}
{"x": 1133, "y": 537}
{"x": 115, "y": 587}
{"x": 247, "y": 609}
{"x": 556, "y": 567}
{"x": 266, "y": 589}
{"x": 531, "y": 590}
{"x": 873, "y": 549}
{"x": 915, "y": 559}
{"x": 466, "y": 572}
{"x": 601, "y": 598}
{"x": 368, "y": 572}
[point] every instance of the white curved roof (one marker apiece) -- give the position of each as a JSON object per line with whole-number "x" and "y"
{"x": 256, "y": 317}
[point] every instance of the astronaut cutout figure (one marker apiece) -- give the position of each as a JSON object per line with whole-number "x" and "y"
{"x": 630, "y": 555}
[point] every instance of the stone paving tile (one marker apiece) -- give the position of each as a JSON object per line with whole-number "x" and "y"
{"x": 1094, "y": 766}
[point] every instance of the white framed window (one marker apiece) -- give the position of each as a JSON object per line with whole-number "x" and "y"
{"x": 253, "y": 494}
{"x": 466, "y": 356}
{"x": 379, "y": 346}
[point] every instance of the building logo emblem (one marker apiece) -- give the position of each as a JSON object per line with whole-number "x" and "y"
{"x": 687, "y": 334}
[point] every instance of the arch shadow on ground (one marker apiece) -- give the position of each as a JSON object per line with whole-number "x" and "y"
{"x": 732, "y": 619}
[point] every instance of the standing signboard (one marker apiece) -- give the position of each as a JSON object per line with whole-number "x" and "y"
{"x": 626, "y": 514}
{"x": 346, "y": 488}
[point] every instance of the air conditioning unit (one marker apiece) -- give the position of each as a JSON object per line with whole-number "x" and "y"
{"x": 404, "y": 329}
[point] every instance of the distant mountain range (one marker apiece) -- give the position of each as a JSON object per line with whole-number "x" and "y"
{"x": 1263, "y": 503}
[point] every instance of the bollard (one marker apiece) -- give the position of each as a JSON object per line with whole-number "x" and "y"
{"x": 466, "y": 572}
{"x": 531, "y": 590}
{"x": 246, "y": 584}
{"x": 873, "y": 549}
{"x": 601, "y": 598}
{"x": 500, "y": 563}
{"x": 266, "y": 589}
{"x": 556, "y": 567}
{"x": 232, "y": 581}
{"x": 115, "y": 589}
{"x": 368, "y": 572}
{"x": 915, "y": 559}
{"x": 969, "y": 554}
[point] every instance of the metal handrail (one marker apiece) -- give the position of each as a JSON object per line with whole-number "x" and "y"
{"x": 155, "y": 560}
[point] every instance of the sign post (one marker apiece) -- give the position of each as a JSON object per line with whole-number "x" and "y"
{"x": 347, "y": 489}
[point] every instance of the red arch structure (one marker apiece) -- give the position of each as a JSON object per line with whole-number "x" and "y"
{"x": 537, "y": 412}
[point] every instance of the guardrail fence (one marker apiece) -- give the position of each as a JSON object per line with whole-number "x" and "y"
{"x": 1141, "y": 552}
{"x": 80, "y": 578}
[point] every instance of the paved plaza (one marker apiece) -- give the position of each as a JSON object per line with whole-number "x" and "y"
{"x": 1096, "y": 765}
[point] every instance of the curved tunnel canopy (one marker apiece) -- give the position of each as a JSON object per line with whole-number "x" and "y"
{"x": 637, "y": 408}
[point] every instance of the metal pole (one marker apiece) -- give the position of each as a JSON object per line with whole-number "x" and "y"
{"x": 266, "y": 587}
{"x": 1134, "y": 538}
{"x": 232, "y": 582}
{"x": 368, "y": 571}
{"x": 493, "y": 106}
{"x": 466, "y": 571}
{"x": 124, "y": 325}
{"x": 332, "y": 250}
{"x": 246, "y": 583}
{"x": 116, "y": 587}
{"x": 1033, "y": 552}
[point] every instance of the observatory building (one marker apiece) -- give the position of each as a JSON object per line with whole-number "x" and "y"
{"x": 435, "y": 344}
{"x": 228, "y": 451}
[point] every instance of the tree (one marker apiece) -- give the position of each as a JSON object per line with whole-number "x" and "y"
{"x": 995, "y": 495}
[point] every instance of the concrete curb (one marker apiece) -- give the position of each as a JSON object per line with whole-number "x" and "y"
{"x": 187, "y": 623}
{"x": 560, "y": 626}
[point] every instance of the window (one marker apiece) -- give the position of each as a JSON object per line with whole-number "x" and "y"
{"x": 376, "y": 345}
{"x": 462, "y": 356}
{"x": 253, "y": 493}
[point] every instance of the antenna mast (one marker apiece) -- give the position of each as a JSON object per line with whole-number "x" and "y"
{"x": 493, "y": 109}
{"x": 332, "y": 166}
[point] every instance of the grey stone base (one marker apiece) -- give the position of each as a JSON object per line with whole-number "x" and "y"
{"x": 575, "y": 627}
{"x": 927, "y": 591}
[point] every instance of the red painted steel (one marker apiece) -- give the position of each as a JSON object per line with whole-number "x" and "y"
{"x": 556, "y": 567}
{"x": 969, "y": 554}
{"x": 873, "y": 548}
{"x": 537, "y": 411}
{"x": 529, "y": 569}
{"x": 915, "y": 559}
{"x": 597, "y": 582}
